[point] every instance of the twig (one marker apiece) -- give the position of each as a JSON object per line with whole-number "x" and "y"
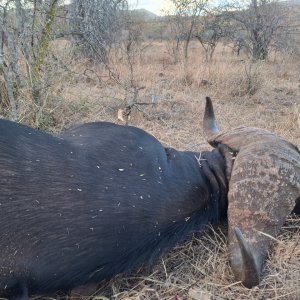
{"x": 199, "y": 159}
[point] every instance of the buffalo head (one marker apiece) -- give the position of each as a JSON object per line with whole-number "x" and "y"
{"x": 263, "y": 188}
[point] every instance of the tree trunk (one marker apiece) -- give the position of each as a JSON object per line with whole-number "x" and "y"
{"x": 43, "y": 51}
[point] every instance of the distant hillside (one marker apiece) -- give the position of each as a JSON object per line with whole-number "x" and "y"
{"x": 145, "y": 14}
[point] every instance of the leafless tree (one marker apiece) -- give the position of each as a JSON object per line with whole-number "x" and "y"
{"x": 23, "y": 39}
{"x": 188, "y": 11}
{"x": 96, "y": 24}
{"x": 6, "y": 68}
{"x": 174, "y": 36}
{"x": 108, "y": 33}
{"x": 255, "y": 24}
{"x": 210, "y": 30}
{"x": 132, "y": 44}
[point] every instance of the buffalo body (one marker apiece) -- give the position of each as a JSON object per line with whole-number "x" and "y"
{"x": 97, "y": 200}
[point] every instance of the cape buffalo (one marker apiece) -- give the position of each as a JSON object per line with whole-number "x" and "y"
{"x": 95, "y": 201}
{"x": 264, "y": 188}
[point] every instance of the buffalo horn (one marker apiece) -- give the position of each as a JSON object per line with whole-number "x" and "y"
{"x": 210, "y": 126}
{"x": 250, "y": 271}
{"x": 263, "y": 189}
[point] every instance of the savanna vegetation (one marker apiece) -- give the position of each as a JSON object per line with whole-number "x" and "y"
{"x": 67, "y": 63}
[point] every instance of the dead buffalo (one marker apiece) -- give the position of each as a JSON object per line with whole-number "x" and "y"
{"x": 264, "y": 188}
{"x": 97, "y": 200}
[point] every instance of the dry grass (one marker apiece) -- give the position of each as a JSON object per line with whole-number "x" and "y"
{"x": 199, "y": 269}
{"x": 264, "y": 95}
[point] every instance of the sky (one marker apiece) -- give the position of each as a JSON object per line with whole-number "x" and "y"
{"x": 154, "y": 6}
{"x": 158, "y": 6}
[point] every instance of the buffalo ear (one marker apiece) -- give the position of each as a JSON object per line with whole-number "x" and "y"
{"x": 228, "y": 156}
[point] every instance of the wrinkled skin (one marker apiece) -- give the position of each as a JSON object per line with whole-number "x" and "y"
{"x": 264, "y": 188}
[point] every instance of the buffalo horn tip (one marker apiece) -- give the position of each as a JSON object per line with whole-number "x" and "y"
{"x": 250, "y": 270}
{"x": 210, "y": 126}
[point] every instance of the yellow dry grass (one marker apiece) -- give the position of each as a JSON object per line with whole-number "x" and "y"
{"x": 198, "y": 268}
